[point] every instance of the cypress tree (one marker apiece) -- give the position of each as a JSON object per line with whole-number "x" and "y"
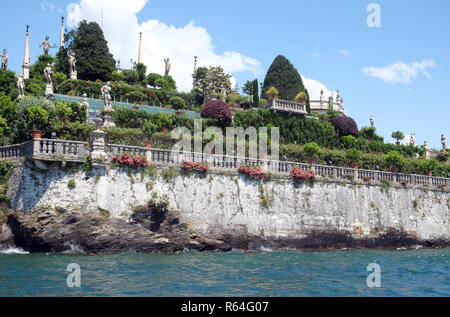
{"x": 285, "y": 78}
{"x": 255, "y": 93}
{"x": 94, "y": 61}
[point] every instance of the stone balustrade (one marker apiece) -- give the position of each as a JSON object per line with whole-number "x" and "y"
{"x": 60, "y": 150}
{"x": 17, "y": 151}
{"x": 73, "y": 151}
{"x": 286, "y": 106}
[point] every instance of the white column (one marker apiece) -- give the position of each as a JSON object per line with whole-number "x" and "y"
{"x": 140, "y": 49}
{"x": 61, "y": 43}
{"x": 26, "y": 58}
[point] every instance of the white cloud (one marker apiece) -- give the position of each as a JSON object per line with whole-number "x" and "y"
{"x": 315, "y": 54}
{"x": 400, "y": 72}
{"x": 121, "y": 28}
{"x": 344, "y": 52}
{"x": 314, "y": 87}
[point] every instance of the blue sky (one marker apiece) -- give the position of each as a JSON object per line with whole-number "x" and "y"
{"x": 327, "y": 41}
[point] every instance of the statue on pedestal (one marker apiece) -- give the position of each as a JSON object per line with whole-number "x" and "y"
{"x": 72, "y": 65}
{"x": 118, "y": 65}
{"x": 372, "y": 121}
{"x": 48, "y": 80}
{"x": 46, "y": 45}
{"x": 21, "y": 87}
{"x": 4, "y": 60}
{"x": 106, "y": 96}
{"x": 444, "y": 142}
{"x": 168, "y": 66}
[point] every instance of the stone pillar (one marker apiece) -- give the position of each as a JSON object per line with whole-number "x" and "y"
{"x": 98, "y": 154}
{"x": 140, "y": 49}
{"x": 61, "y": 42}
{"x": 26, "y": 57}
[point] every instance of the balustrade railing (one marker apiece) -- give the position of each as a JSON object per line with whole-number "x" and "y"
{"x": 17, "y": 151}
{"x": 61, "y": 150}
{"x": 287, "y": 106}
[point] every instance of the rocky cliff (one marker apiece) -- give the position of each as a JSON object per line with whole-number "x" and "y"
{"x": 60, "y": 210}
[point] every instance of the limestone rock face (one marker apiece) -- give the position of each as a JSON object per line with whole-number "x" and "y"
{"x": 218, "y": 212}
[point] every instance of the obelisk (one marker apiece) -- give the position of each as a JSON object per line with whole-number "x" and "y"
{"x": 140, "y": 49}
{"x": 61, "y": 43}
{"x": 26, "y": 58}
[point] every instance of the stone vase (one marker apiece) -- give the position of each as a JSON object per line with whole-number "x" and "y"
{"x": 37, "y": 134}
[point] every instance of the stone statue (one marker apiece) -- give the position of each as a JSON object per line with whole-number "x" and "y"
{"x": 48, "y": 80}
{"x": 85, "y": 104}
{"x": 134, "y": 64}
{"x": 412, "y": 139}
{"x": 118, "y": 64}
{"x": 4, "y": 60}
{"x": 168, "y": 66}
{"x": 106, "y": 96}
{"x": 72, "y": 61}
{"x": 321, "y": 97}
{"x": 46, "y": 45}
{"x": 21, "y": 87}
{"x": 72, "y": 64}
{"x": 372, "y": 121}
{"x": 337, "y": 96}
{"x": 444, "y": 142}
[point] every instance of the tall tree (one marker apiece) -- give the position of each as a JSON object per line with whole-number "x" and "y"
{"x": 255, "y": 93}
{"x": 285, "y": 78}
{"x": 213, "y": 79}
{"x": 94, "y": 61}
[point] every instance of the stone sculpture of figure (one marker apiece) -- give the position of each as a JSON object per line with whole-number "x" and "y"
{"x": 134, "y": 64}
{"x": 4, "y": 60}
{"x": 118, "y": 64}
{"x": 106, "y": 96}
{"x": 321, "y": 96}
{"x": 72, "y": 61}
{"x": 168, "y": 66}
{"x": 21, "y": 86}
{"x": 444, "y": 142}
{"x": 48, "y": 74}
{"x": 412, "y": 139}
{"x": 46, "y": 45}
{"x": 337, "y": 96}
{"x": 85, "y": 104}
{"x": 372, "y": 121}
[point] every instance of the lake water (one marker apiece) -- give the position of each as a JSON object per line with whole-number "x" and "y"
{"x": 334, "y": 273}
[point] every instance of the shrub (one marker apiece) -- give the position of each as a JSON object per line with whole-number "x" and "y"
{"x": 367, "y": 132}
{"x": 301, "y": 97}
{"x": 311, "y": 149}
{"x": 71, "y": 184}
{"x": 345, "y": 126}
{"x": 353, "y": 155}
{"x": 394, "y": 160}
{"x": 177, "y": 103}
{"x": 429, "y": 165}
{"x": 217, "y": 109}
{"x": 272, "y": 93}
{"x": 398, "y": 135}
{"x": 349, "y": 141}
{"x": 38, "y": 117}
{"x": 159, "y": 203}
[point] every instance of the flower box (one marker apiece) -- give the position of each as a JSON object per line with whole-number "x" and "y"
{"x": 253, "y": 172}
{"x": 297, "y": 174}
{"x": 194, "y": 167}
{"x": 131, "y": 161}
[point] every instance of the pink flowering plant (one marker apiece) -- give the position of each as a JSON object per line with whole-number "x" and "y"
{"x": 130, "y": 161}
{"x": 188, "y": 167}
{"x": 253, "y": 172}
{"x": 299, "y": 175}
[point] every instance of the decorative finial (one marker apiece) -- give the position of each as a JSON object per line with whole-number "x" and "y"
{"x": 62, "y": 20}
{"x": 28, "y": 27}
